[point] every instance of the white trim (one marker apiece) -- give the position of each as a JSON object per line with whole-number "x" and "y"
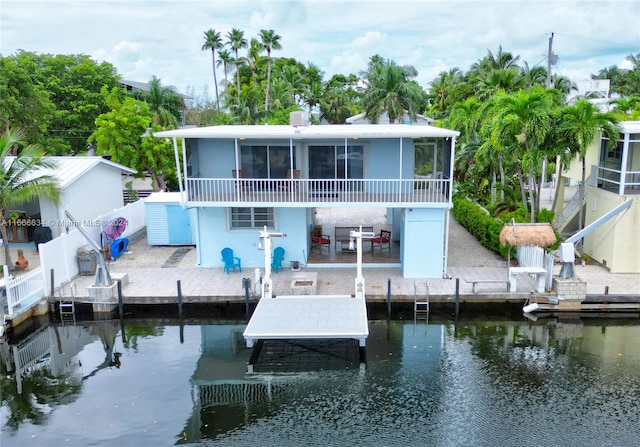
{"x": 338, "y": 131}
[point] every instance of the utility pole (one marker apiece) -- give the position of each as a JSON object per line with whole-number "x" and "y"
{"x": 549, "y": 60}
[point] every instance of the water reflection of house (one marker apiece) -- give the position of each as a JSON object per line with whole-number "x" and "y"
{"x": 221, "y": 388}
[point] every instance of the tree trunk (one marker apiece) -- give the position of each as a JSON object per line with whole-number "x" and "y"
{"x": 158, "y": 182}
{"x": 266, "y": 97}
{"x": 215, "y": 77}
{"x": 522, "y": 189}
{"x": 532, "y": 201}
{"x": 501, "y": 167}
{"x": 556, "y": 195}
{"x": 7, "y": 252}
{"x": 493, "y": 185}
{"x": 580, "y": 210}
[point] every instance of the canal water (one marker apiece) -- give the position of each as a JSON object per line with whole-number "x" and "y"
{"x": 490, "y": 381}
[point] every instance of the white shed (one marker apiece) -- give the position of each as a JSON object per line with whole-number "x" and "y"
{"x": 90, "y": 187}
{"x": 167, "y": 222}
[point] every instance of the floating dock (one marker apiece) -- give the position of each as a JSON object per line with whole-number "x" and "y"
{"x": 308, "y": 317}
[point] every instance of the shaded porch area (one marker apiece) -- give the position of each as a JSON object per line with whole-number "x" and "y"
{"x": 330, "y": 218}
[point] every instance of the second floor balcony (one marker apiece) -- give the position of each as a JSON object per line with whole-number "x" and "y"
{"x": 314, "y": 192}
{"x": 619, "y": 182}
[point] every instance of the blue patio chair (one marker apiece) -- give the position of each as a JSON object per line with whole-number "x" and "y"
{"x": 278, "y": 257}
{"x": 230, "y": 261}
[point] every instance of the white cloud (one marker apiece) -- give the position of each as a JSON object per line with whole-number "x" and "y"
{"x": 164, "y": 38}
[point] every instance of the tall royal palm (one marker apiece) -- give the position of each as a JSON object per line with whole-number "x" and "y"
{"x": 271, "y": 41}
{"x": 20, "y": 181}
{"x": 225, "y": 59}
{"x": 213, "y": 42}
{"x": 236, "y": 40}
{"x": 581, "y": 123}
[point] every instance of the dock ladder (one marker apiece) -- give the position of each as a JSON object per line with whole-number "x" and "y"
{"x": 420, "y": 302}
{"x": 67, "y": 306}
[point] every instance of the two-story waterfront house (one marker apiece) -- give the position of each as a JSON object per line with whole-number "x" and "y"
{"x": 611, "y": 201}
{"x": 241, "y": 178}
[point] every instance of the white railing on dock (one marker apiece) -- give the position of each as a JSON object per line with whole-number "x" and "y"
{"x": 318, "y": 191}
{"x": 24, "y": 288}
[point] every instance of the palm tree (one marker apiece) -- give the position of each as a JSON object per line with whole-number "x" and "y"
{"x": 236, "y": 40}
{"x": 564, "y": 85}
{"x": 634, "y": 59}
{"x": 225, "y": 59}
{"x": 19, "y": 183}
{"x": 271, "y": 41}
{"x": 335, "y": 105}
{"x": 164, "y": 102}
{"x": 499, "y": 79}
{"x": 581, "y": 123}
{"x": 213, "y": 42}
{"x": 502, "y": 60}
{"x": 442, "y": 87}
{"x": 613, "y": 74}
{"x": 390, "y": 88}
{"x": 521, "y": 121}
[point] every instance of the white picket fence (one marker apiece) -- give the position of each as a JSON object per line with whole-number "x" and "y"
{"x": 23, "y": 290}
{"x": 61, "y": 256}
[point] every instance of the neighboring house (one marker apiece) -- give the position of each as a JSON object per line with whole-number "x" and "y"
{"x": 361, "y": 118}
{"x": 90, "y": 187}
{"x": 613, "y": 179}
{"x": 241, "y": 178}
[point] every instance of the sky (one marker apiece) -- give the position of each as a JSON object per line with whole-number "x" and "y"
{"x": 145, "y": 38}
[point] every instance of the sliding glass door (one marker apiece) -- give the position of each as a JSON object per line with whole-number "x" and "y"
{"x": 266, "y": 162}
{"x": 328, "y": 162}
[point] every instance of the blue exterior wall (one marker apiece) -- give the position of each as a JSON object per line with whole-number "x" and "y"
{"x": 384, "y": 159}
{"x": 423, "y": 242}
{"x": 216, "y": 158}
{"x": 214, "y": 236}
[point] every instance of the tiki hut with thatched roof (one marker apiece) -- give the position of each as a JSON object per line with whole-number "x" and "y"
{"x": 521, "y": 234}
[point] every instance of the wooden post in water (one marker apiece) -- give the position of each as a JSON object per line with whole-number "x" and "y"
{"x": 246, "y": 284}
{"x": 52, "y": 302}
{"x": 457, "y": 296}
{"x": 120, "y": 301}
{"x": 388, "y": 297}
{"x": 179, "y": 299}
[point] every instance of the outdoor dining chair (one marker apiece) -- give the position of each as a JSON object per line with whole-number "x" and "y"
{"x": 382, "y": 241}
{"x": 320, "y": 240}
{"x": 230, "y": 261}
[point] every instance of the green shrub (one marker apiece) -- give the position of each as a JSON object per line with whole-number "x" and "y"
{"x": 486, "y": 229}
{"x": 479, "y": 223}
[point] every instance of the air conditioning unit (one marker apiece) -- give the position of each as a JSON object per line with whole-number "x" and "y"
{"x": 299, "y": 118}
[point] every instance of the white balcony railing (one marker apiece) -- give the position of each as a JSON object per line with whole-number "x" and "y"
{"x": 287, "y": 191}
{"x": 614, "y": 180}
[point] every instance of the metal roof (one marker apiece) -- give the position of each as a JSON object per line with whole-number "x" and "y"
{"x": 68, "y": 169}
{"x": 268, "y": 132}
